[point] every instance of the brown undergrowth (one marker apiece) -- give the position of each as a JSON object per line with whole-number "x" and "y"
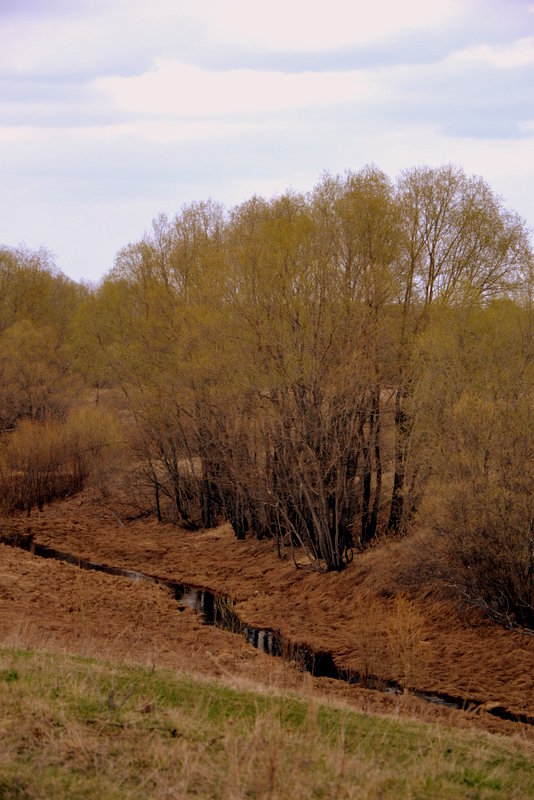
{"x": 370, "y": 616}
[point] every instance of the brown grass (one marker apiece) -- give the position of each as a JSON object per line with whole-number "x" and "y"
{"x": 418, "y": 638}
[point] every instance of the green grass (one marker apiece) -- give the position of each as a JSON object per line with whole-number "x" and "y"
{"x": 78, "y": 728}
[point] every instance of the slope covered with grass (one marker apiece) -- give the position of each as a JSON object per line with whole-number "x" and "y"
{"x": 73, "y": 727}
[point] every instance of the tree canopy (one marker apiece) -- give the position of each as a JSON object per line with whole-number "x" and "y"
{"x": 315, "y": 368}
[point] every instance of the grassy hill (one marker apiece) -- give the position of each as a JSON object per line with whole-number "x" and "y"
{"x": 72, "y": 728}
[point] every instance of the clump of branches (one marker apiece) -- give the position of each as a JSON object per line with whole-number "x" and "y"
{"x": 42, "y": 460}
{"x": 483, "y": 513}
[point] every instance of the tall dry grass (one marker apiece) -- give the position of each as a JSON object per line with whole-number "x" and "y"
{"x": 388, "y": 639}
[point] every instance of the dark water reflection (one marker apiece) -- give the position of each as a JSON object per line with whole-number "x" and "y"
{"x": 219, "y": 610}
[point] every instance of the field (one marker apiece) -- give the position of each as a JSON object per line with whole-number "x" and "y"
{"x": 369, "y": 616}
{"x": 76, "y": 727}
{"x": 112, "y": 688}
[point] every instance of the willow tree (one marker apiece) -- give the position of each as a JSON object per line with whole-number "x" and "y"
{"x": 308, "y": 285}
{"x": 460, "y": 248}
{"x": 476, "y": 416}
{"x": 360, "y": 220}
{"x": 37, "y": 304}
{"x": 158, "y": 345}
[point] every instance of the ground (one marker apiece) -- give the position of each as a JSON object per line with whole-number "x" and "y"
{"x": 369, "y": 616}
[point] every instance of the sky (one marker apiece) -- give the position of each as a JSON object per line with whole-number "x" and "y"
{"x": 114, "y": 111}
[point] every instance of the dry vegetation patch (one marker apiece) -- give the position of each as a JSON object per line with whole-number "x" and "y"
{"x": 368, "y": 616}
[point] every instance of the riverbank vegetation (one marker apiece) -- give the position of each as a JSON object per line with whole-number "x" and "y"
{"x": 322, "y": 369}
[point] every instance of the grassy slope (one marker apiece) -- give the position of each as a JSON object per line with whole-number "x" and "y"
{"x": 73, "y": 727}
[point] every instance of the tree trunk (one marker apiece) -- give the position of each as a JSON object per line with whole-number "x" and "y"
{"x": 397, "y": 498}
{"x": 156, "y": 494}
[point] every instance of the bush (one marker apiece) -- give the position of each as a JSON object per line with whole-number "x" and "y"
{"x": 43, "y": 460}
{"x": 482, "y": 506}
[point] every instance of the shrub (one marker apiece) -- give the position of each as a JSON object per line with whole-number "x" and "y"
{"x": 43, "y": 460}
{"x": 482, "y": 506}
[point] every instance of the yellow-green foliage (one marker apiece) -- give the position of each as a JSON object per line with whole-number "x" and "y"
{"x": 476, "y": 418}
{"x": 34, "y": 380}
{"x": 37, "y": 302}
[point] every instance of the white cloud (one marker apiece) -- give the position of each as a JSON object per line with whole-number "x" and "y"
{"x": 37, "y": 45}
{"x": 175, "y": 89}
{"x": 506, "y": 164}
{"x": 320, "y": 26}
{"x": 35, "y": 144}
{"x": 510, "y": 56}
{"x": 117, "y": 35}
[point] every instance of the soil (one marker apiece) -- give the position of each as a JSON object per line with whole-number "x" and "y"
{"x": 422, "y": 640}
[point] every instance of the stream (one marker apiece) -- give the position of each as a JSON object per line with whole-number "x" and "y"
{"x": 219, "y": 610}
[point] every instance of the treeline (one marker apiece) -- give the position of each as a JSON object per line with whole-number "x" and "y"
{"x": 321, "y": 368}
{"x": 50, "y": 439}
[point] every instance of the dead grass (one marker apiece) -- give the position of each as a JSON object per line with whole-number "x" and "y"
{"x": 353, "y": 614}
{"x": 406, "y": 631}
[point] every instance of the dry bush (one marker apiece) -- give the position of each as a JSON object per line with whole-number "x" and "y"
{"x": 30, "y": 466}
{"x": 388, "y": 639}
{"x": 406, "y": 631}
{"x": 93, "y": 440}
{"x": 43, "y": 460}
{"x": 482, "y": 508}
{"x": 369, "y": 639}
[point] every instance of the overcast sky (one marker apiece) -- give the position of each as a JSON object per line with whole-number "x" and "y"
{"x": 112, "y": 111}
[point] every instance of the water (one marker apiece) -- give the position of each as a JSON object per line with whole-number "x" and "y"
{"x": 219, "y": 610}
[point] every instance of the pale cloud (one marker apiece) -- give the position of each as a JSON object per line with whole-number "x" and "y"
{"x": 316, "y": 25}
{"x": 174, "y": 89}
{"x": 112, "y": 37}
{"x": 117, "y": 36}
{"x": 510, "y": 56}
{"x": 44, "y": 141}
{"x": 485, "y": 93}
{"x": 503, "y": 163}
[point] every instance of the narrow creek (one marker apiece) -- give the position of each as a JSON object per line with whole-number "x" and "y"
{"x": 219, "y": 610}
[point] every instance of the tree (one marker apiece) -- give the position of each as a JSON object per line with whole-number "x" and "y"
{"x": 31, "y": 288}
{"x": 37, "y": 304}
{"x": 35, "y": 381}
{"x": 309, "y": 283}
{"x": 480, "y": 449}
{"x": 460, "y": 248}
